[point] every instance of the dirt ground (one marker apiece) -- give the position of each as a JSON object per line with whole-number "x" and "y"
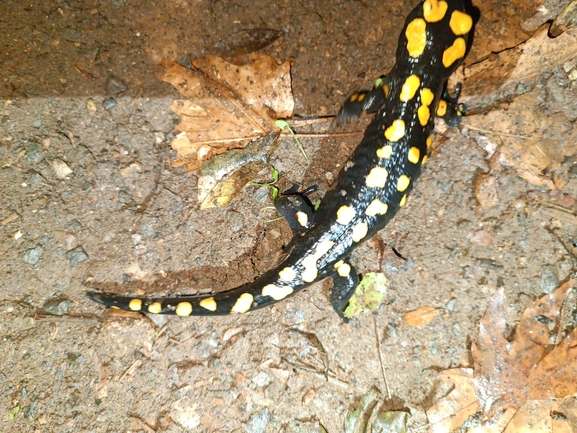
{"x": 90, "y": 200}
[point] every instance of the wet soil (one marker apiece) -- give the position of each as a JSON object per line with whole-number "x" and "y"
{"x": 89, "y": 199}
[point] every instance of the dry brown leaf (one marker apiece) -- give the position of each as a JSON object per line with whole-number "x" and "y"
{"x": 227, "y": 106}
{"x": 499, "y": 76}
{"x": 515, "y": 382}
{"x": 420, "y": 316}
{"x": 528, "y": 140}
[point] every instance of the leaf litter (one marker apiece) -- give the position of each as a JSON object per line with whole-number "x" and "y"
{"x": 504, "y": 94}
{"x": 517, "y": 384}
{"x": 228, "y": 106}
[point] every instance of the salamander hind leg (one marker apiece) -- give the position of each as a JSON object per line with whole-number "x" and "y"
{"x": 345, "y": 281}
{"x": 449, "y": 108}
{"x": 296, "y": 208}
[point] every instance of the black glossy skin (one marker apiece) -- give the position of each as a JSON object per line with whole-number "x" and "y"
{"x": 351, "y": 189}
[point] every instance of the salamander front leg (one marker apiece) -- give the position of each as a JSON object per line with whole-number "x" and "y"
{"x": 345, "y": 281}
{"x": 364, "y": 102}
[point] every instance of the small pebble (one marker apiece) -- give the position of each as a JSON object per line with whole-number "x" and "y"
{"x": 35, "y": 177}
{"x": 57, "y": 307}
{"x": 77, "y": 255}
{"x": 34, "y": 152}
{"x": 456, "y": 328}
{"x": 61, "y": 169}
{"x": 109, "y": 103}
{"x": 33, "y": 255}
{"x": 262, "y": 379}
{"x": 549, "y": 278}
{"x": 485, "y": 187}
{"x": 115, "y": 85}
{"x": 481, "y": 237}
{"x": 450, "y": 305}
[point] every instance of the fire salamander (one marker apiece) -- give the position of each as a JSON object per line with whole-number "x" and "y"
{"x": 372, "y": 186}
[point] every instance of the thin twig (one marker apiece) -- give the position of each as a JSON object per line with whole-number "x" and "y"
{"x": 383, "y": 369}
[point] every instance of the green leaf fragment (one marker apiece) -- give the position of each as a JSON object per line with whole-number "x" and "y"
{"x": 369, "y": 294}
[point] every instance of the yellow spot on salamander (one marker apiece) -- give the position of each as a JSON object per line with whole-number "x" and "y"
{"x": 359, "y": 232}
{"x": 310, "y": 262}
{"x": 424, "y": 114}
{"x": 429, "y": 142}
{"x": 345, "y": 215}
{"x": 311, "y": 271}
{"x": 354, "y": 97}
{"x": 323, "y": 248}
{"x": 385, "y": 152}
{"x": 454, "y": 52}
{"x": 339, "y": 263}
{"x": 287, "y": 274}
{"x": 276, "y": 292}
{"x": 410, "y": 87}
{"x": 377, "y": 177}
{"x": 403, "y": 201}
{"x": 460, "y": 23}
{"x": 135, "y": 304}
{"x": 344, "y": 270}
{"x": 243, "y": 303}
{"x": 414, "y": 155}
{"x": 424, "y": 160}
{"x": 208, "y": 304}
{"x": 183, "y": 309}
{"x": 386, "y": 90}
{"x": 155, "y": 308}
{"x": 361, "y": 97}
{"x": 376, "y": 207}
{"x": 442, "y": 108}
{"x": 396, "y": 131}
{"x": 427, "y": 96}
{"x": 416, "y": 35}
{"x": 434, "y": 10}
{"x": 302, "y": 218}
{"x": 403, "y": 183}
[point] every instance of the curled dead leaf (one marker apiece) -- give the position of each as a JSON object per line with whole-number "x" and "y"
{"x": 517, "y": 384}
{"x": 226, "y": 106}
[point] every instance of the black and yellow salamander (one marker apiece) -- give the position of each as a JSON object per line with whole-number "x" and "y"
{"x": 372, "y": 186}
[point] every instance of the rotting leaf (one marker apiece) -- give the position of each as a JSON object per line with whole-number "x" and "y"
{"x": 369, "y": 416}
{"x": 368, "y": 295}
{"x": 391, "y": 422}
{"x": 517, "y": 384}
{"x": 224, "y": 176}
{"x": 227, "y": 106}
{"x": 523, "y": 136}
{"x": 356, "y": 420}
{"x": 420, "y": 316}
